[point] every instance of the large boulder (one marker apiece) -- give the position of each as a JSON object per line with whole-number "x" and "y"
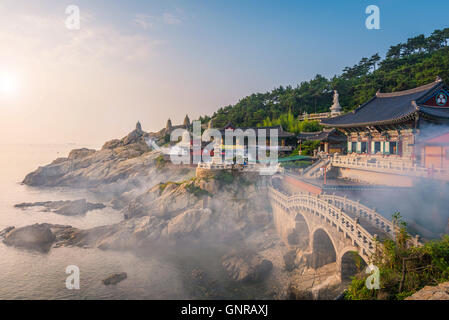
{"x": 129, "y": 234}
{"x": 164, "y": 200}
{"x": 115, "y": 278}
{"x": 36, "y": 237}
{"x": 112, "y": 144}
{"x": 246, "y": 266}
{"x": 78, "y": 207}
{"x": 190, "y": 223}
{"x": 439, "y": 292}
{"x": 80, "y": 153}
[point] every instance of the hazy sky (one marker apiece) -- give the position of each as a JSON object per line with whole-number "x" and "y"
{"x": 150, "y": 60}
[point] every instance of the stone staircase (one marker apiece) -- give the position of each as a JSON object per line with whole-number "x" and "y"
{"x": 314, "y": 171}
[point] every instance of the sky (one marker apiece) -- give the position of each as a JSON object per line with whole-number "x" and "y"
{"x": 153, "y": 60}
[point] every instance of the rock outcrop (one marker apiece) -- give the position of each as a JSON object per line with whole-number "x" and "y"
{"x": 439, "y": 292}
{"x": 115, "y": 278}
{"x": 173, "y": 212}
{"x": 67, "y": 208}
{"x": 35, "y": 237}
{"x": 117, "y": 160}
{"x": 190, "y": 223}
{"x": 246, "y": 266}
{"x": 80, "y": 153}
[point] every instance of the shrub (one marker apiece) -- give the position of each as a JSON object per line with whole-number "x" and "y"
{"x": 404, "y": 269}
{"x": 224, "y": 177}
{"x": 197, "y": 191}
{"x": 307, "y": 147}
{"x": 162, "y": 186}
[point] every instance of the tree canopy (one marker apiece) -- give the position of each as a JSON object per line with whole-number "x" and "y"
{"x": 292, "y": 124}
{"x": 406, "y": 65}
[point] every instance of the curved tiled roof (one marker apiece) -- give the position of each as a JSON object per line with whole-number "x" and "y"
{"x": 325, "y": 135}
{"x": 425, "y": 87}
{"x": 385, "y": 108}
{"x": 435, "y": 112}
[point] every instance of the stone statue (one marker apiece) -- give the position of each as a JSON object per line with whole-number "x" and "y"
{"x": 336, "y": 108}
{"x": 186, "y": 122}
{"x": 168, "y": 126}
{"x": 336, "y": 95}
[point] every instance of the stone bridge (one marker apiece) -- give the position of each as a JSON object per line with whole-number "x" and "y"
{"x": 328, "y": 228}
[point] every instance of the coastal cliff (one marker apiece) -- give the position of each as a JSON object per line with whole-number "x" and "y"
{"x": 168, "y": 209}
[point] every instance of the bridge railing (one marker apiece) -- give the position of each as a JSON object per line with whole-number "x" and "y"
{"x": 332, "y": 214}
{"x": 361, "y": 211}
{"x": 396, "y": 166}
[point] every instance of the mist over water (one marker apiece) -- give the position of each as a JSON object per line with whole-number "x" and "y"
{"x": 424, "y": 207}
{"x": 151, "y": 274}
{"x": 31, "y": 275}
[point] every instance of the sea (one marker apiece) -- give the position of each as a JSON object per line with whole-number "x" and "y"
{"x": 26, "y": 274}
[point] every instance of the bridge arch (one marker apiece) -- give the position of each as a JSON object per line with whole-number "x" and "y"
{"x": 333, "y": 232}
{"x": 351, "y": 263}
{"x": 324, "y": 249}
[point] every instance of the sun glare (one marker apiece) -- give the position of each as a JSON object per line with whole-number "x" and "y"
{"x": 8, "y": 84}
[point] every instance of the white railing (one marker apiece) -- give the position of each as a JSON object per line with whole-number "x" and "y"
{"x": 361, "y": 211}
{"x": 385, "y": 165}
{"x": 331, "y": 214}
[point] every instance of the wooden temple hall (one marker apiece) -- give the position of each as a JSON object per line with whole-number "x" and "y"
{"x": 396, "y": 124}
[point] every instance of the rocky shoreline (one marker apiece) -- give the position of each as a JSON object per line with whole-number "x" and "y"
{"x": 164, "y": 207}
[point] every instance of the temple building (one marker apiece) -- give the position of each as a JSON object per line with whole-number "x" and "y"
{"x": 392, "y": 124}
{"x": 331, "y": 140}
{"x": 434, "y": 151}
{"x": 286, "y": 140}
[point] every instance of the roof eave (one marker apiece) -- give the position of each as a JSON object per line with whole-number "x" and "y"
{"x": 375, "y": 123}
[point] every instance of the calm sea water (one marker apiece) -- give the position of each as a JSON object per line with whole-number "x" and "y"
{"x": 31, "y": 275}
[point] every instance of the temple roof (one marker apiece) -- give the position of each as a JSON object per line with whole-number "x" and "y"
{"x": 331, "y": 135}
{"x": 434, "y": 112}
{"x": 389, "y": 108}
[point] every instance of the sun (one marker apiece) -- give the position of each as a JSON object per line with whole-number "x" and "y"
{"x": 9, "y": 83}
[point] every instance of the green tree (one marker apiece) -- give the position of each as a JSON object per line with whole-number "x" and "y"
{"x": 406, "y": 65}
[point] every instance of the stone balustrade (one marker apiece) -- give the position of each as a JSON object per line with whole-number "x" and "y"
{"x": 331, "y": 214}
{"x": 363, "y": 212}
{"x": 344, "y": 214}
{"x": 386, "y": 165}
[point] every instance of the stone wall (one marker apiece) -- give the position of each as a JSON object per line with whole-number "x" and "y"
{"x": 376, "y": 178}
